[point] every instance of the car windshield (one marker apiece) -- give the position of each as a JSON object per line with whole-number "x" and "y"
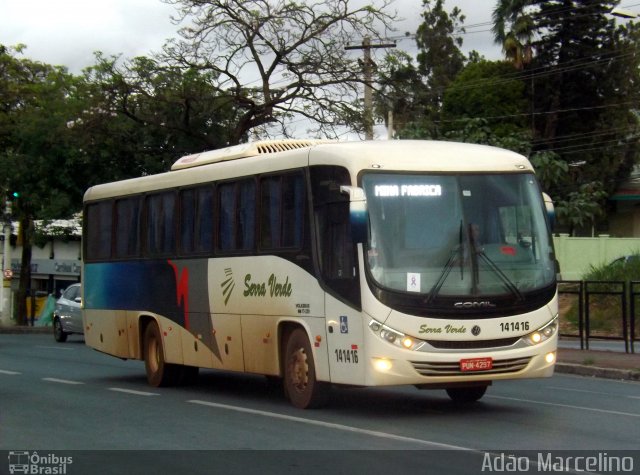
{"x": 458, "y": 235}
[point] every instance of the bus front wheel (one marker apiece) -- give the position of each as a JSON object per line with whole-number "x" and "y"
{"x": 300, "y": 383}
{"x": 466, "y": 395}
{"x": 159, "y": 372}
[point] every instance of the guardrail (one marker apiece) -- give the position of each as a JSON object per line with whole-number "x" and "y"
{"x": 603, "y": 310}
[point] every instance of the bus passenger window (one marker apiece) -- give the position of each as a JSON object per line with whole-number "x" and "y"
{"x": 237, "y": 210}
{"x": 98, "y": 231}
{"x": 282, "y": 213}
{"x": 161, "y": 224}
{"x": 127, "y": 225}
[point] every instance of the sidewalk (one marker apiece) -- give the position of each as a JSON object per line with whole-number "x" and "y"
{"x": 600, "y": 364}
{"x": 595, "y": 363}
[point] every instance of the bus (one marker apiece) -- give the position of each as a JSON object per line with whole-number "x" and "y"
{"x": 323, "y": 263}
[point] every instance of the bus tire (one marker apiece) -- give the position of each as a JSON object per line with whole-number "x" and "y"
{"x": 300, "y": 383}
{"x": 159, "y": 372}
{"x": 466, "y": 395}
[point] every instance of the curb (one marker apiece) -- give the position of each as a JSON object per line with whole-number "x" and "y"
{"x": 597, "y": 372}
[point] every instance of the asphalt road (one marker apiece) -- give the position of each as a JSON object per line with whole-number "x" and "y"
{"x": 67, "y": 397}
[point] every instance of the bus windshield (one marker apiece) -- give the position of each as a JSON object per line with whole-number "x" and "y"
{"x": 467, "y": 235}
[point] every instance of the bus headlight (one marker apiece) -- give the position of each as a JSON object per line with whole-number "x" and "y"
{"x": 395, "y": 337}
{"x": 543, "y": 333}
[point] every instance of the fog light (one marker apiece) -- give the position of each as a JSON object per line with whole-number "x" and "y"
{"x": 550, "y": 357}
{"x": 381, "y": 364}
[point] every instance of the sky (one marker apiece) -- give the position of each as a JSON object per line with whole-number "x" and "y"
{"x": 68, "y": 32}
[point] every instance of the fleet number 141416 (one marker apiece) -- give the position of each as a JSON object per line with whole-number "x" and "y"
{"x": 514, "y": 326}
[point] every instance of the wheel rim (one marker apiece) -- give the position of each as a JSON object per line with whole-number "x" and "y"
{"x": 299, "y": 370}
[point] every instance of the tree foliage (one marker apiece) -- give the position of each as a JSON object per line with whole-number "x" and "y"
{"x": 399, "y": 91}
{"x": 488, "y": 90}
{"x": 164, "y": 111}
{"x": 415, "y": 92}
{"x": 582, "y": 73}
{"x": 514, "y": 29}
{"x": 35, "y": 150}
{"x": 439, "y": 56}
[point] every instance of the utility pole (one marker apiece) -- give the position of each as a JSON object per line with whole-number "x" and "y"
{"x": 366, "y": 46}
{"x": 5, "y": 291}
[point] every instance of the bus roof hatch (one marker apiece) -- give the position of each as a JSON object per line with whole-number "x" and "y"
{"x": 245, "y": 150}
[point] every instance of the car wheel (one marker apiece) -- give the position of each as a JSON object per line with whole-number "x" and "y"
{"x": 58, "y": 333}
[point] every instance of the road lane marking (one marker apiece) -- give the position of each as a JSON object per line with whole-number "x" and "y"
{"x": 5, "y": 371}
{"x": 56, "y": 347}
{"x": 584, "y": 391}
{"x": 132, "y": 391}
{"x": 593, "y": 392}
{"x": 332, "y": 425}
{"x": 582, "y": 408}
{"x": 62, "y": 381}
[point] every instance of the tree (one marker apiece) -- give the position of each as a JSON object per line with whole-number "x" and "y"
{"x": 583, "y": 86}
{"x": 399, "y": 91}
{"x": 145, "y": 115}
{"x": 488, "y": 91}
{"x": 415, "y": 93}
{"x": 439, "y": 58}
{"x": 513, "y": 28}
{"x": 273, "y": 61}
{"x": 37, "y": 101}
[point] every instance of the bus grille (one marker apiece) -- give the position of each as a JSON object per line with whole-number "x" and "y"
{"x": 472, "y": 344}
{"x": 453, "y": 368}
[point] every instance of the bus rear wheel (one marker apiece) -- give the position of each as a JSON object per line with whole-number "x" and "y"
{"x": 466, "y": 395}
{"x": 300, "y": 383}
{"x": 159, "y": 372}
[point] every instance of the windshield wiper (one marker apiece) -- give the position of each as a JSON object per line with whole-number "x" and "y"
{"x": 478, "y": 251}
{"x": 503, "y": 277}
{"x": 446, "y": 270}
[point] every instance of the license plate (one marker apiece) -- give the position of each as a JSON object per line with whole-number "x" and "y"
{"x": 476, "y": 364}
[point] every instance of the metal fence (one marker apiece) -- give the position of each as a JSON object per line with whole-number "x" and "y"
{"x": 602, "y": 310}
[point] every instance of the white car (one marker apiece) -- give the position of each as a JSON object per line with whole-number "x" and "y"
{"x": 67, "y": 316}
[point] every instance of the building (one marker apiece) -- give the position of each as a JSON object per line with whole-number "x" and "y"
{"x": 55, "y": 262}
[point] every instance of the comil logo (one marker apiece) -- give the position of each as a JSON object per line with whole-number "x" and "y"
{"x": 228, "y": 285}
{"x": 34, "y": 463}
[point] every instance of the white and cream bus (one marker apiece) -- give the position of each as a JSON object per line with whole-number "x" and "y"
{"x": 326, "y": 263}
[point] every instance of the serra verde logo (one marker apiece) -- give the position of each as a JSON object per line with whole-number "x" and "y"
{"x": 272, "y": 286}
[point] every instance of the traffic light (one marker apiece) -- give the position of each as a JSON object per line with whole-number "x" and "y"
{"x": 15, "y": 195}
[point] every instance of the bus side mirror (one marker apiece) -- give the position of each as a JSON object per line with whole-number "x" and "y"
{"x": 551, "y": 211}
{"x": 357, "y": 212}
